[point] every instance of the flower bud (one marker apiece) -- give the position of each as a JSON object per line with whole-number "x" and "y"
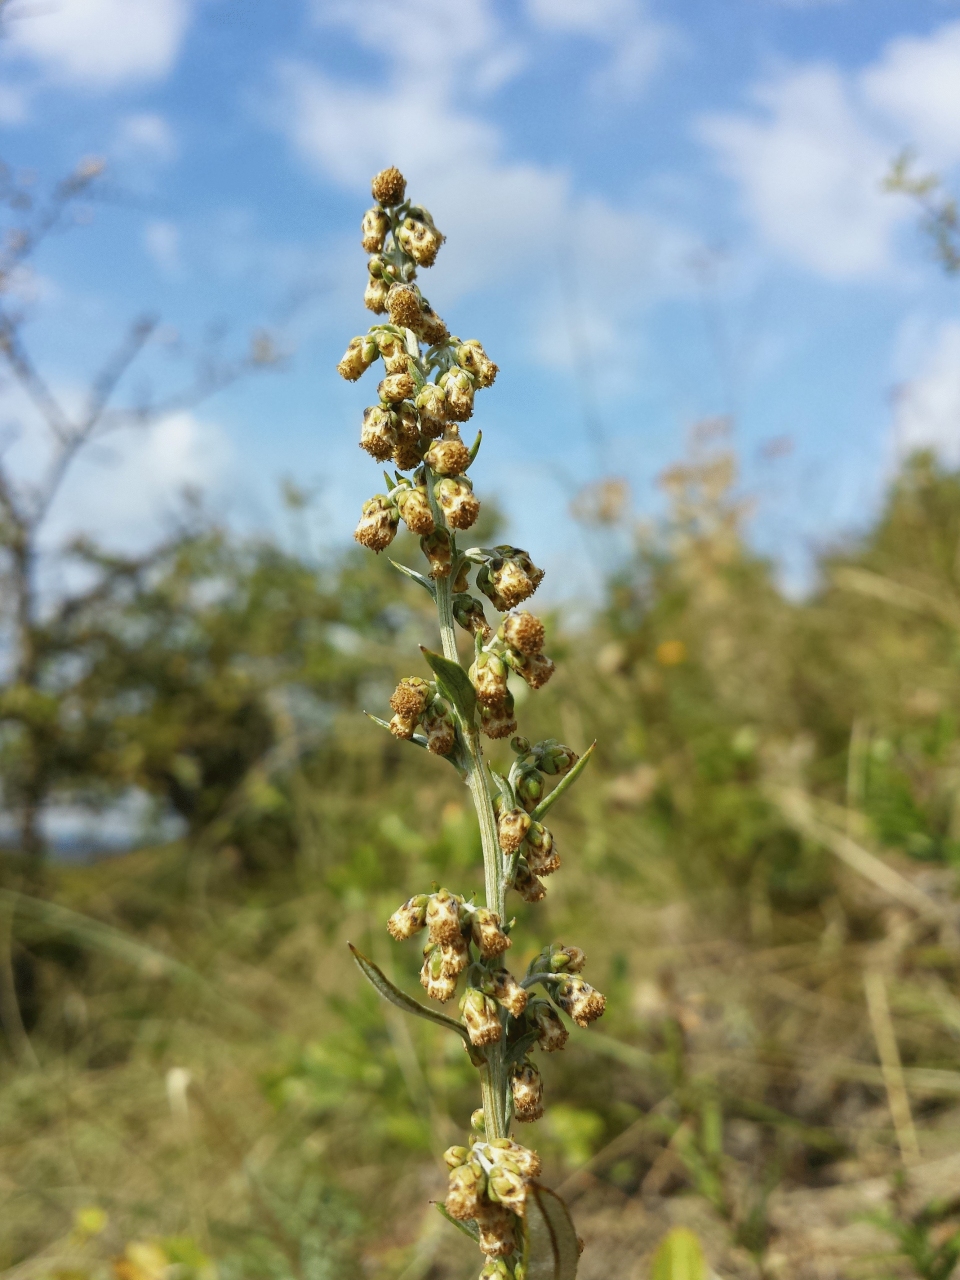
{"x": 508, "y": 1187}
{"x": 379, "y": 520}
{"x": 459, "y": 388}
{"x": 553, "y": 757}
{"x": 431, "y": 404}
{"x": 465, "y": 1193}
{"x": 487, "y": 934}
{"x": 580, "y": 1001}
{"x": 513, "y": 576}
{"x": 478, "y": 1121}
{"x": 434, "y": 978}
{"x": 454, "y": 956}
{"x": 373, "y": 230}
{"x": 411, "y": 697}
{"x": 527, "y": 1089}
{"x": 402, "y": 727}
{"x": 448, "y": 457}
{"x": 535, "y": 668}
{"x": 430, "y": 328}
{"x": 396, "y": 387}
{"x": 542, "y": 858}
{"x": 408, "y": 919}
{"x": 489, "y": 676}
{"x": 457, "y": 500}
{"x": 498, "y": 722}
{"x": 420, "y": 239}
{"x": 378, "y": 435}
{"x": 443, "y": 916}
{"x": 512, "y": 828}
{"x": 403, "y": 303}
{"x": 471, "y": 356}
{"x": 501, "y": 1150}
{"x": 394, "y": 351}
{"x": 454, "y": 1157}
{"x": 436, "y": 547}
{"x": 438, "y": 726}
{"x": 496, "y": 1226}
{"x": 546, "y": 1020}
{"x": 523, "y": 632}
{"x": 388, "y": 186}
{"x": 567, "y": 960}
{"x": 480, "y": 1017}
{"x": 414, "y": 508}
{"x": 375, "y": 295}
{"x": 408, "y": 451}
{"x": 527, "y": 885}
{"x": 496, "y": 1269}
{"x": 506, "y": 990}
{"x": 468, "y": 612}
{"x": 529, "y": 786}
{"x": 356, "y": 359}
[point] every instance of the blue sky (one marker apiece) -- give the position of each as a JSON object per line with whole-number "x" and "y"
{"x": 656, "y": 213}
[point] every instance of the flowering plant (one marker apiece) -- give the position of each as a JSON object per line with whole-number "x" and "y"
{"x": 428, "y": 390}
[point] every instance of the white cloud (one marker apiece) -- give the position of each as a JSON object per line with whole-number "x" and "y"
{"x": 916, "y": 85}
{"x": 13, "y": 105}
{"x": 811, "y": 155}
{"x": 928, "y": 406}
{"x": 145, "y": 136}
{"x": 162, "y": 242}
{"x": 102, "y": 43}
{"x": 639, "y": 43}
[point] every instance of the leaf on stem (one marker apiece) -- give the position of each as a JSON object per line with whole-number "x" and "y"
{"x": 549, "y": 801}
{"x": 454, "y": 684}
{"x": 418, "y": 739}
{"x": 551, "y": 1250}
{"x": 416, "y": 577}
{"x": 468, "y": 1228}
{"x": 516, "y": 1052}
{"x": 379, "y": 979}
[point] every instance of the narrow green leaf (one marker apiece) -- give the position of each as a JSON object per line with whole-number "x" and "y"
{"x": 418, "y": 739}
{"x": 475, "y": 447}
{"x": 549, "y": 801}
{"x": 377, "y": 978}
{"x": 416, "y": 577}
{"x": 468, "y": 1228}
{"x": 516, "y": 1052}
{"x": 454, "y": 684}
{"x": 679, "y": 1257}
{"x": 551, "y": 1250}
{"x": 506, "y": 791}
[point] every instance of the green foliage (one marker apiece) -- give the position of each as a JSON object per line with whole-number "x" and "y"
{"x": 679, "y": 1257}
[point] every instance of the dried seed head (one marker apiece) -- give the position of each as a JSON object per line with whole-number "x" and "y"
{"x": 527, "y": 1089}
{"x": 454, "y": 956}
{"x": 411, "y": 697}
{"x": 458, "y": 385}
{"x": 414, "y": 508}
{"x": 408, "y": 919}
{"x": 529, "y": 786}
{"x": 536, "y": 669}
{"x": 443, "y": 916}
{"x": 449, "y": 457}
{"x": 378, "y": 434}
{"x": 407, "y": 452}
{"x": 436, "y": 547}
{"x": 480, "y": 1017}
{"x": 508, "y": 578}
{"x": 430, "y": 328}
{"x": 438, "y": 984}
{"x": 580, "y": 1001}
{"x": 375, "y": 295}
{"x": 457, "y": 501}
{"x": 438, "y": 726}
{"x": 468, "y": 611}
{"x": 471, "y": 356}
{"x": 542, "y": 858}
{"x": 403, "y": 303}
{"x": 379, "y": 520}
{"x": 388, "y": 186}
{"x": 489, "y": 676}
{"x": 505, "y": 989}
{"x": 487, "y": 934}
{"x": 373, "y": 230}
{"x": 396, "y": 387}
{"x": 420, "y": 239}
{"x": 402, "y": 727}
{"x": 498, "y": 722}
{"x": 357, "y": 358}
{"x": 497, "y": 1234}
{"x": 432, "y": 406}
{"x": 512, "y": 827}
{"x": 523, "y": 632}
{"x": 500, "y": 1150}
{"x": 546, "y": 1020}
{"x": 393, "y": 349}
{"x": 465, "y": 1194}
{"x": 508, "y": 1187}
{"x": 527, "y": 885}
{"x": 454, "y": 1157}
{"x": 554, "y": 757}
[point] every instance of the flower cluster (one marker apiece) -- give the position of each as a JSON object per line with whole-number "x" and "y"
{"x": 423, "y": 398}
